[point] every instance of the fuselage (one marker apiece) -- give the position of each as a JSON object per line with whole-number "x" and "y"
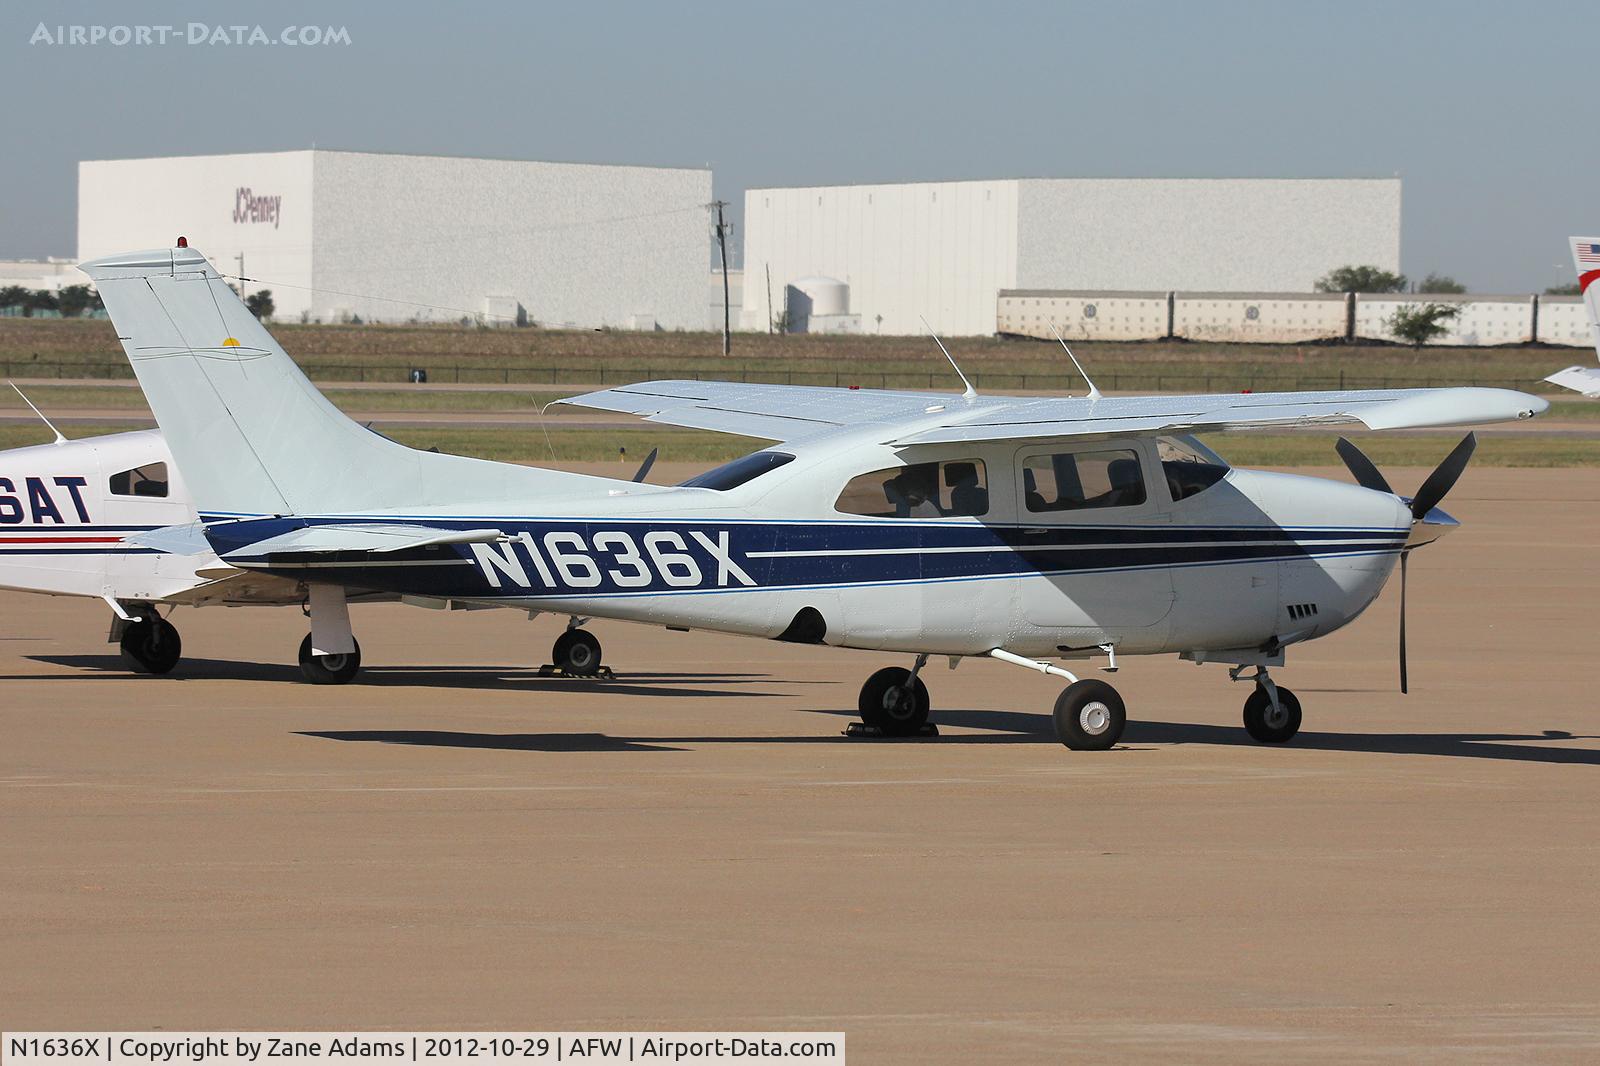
{"x": 1041, "y": 548}
{"x": 66, "y": 508}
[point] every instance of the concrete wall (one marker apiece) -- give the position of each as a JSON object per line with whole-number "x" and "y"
{"x": 126, "y": 205}
{"x": 941, "y": 249}
{"x": 1562, "y": 320}
{"x": 1484, "y": 320}
{"x": 1110, "y": 316}
{"x": 1216, "y": 234}
{"x": 1278, "y": 318}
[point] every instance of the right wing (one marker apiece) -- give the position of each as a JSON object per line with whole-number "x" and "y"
{"x": 791, "y": 412}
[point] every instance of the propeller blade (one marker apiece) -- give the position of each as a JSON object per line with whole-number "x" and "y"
{"x": 649, "y": 461}
{"x": 1404, "y": 688}
{"x": 1444, "y": 477}
{"x": 1363, "y": 469}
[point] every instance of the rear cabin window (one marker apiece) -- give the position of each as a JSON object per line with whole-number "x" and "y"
{"x": 147, "y": 480}
{"x": 1081, "y": 481}
{"x": 955, "y": 489}
{"x": 741, "y": 470}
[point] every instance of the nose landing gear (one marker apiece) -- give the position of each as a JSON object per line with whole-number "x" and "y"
{"x": 1272, "y": 712}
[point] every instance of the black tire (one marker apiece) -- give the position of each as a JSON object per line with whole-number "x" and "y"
{"x": 151, "y": 646}
{"x": 889, "y": 706}
{"x": 329, "y": 669}
{"x": 1263, "y": 725}
{"x": 1090, "y": 716}
{"x": 577, "y": 652}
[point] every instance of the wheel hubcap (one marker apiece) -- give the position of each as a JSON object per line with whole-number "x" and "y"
{"x": 333, "y": 663}
{"x": 1276, "y": 717}
{"x": 898, "y": 703}
{"x": 1095, "y": 718}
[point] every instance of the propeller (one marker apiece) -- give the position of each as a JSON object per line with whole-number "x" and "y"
{"x": 649, "y": 461}
{"x": 1434, "y": 489}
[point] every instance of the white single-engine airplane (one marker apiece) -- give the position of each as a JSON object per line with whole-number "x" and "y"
{"x": 67, "y": 511}
{"x": 1018, "y": 529}
{"x": 1586, "y": 259}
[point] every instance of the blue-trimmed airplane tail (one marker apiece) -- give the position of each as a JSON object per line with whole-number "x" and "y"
{"x": 1586, "y": 261}
{"x": 251, "y": 434}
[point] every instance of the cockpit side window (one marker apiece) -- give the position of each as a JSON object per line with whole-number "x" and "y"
{"x": 955, "y": 489}
{"x": 1076, "y": 481}
{"x": 148, "y": 480}
{"x": 1189, "y": 466}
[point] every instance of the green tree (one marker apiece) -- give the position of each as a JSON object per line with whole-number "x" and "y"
{"x": 1554, "y": 290}
{"x": 260, "y": 303}
{"x": 1441, "y": 283}
{"x": 41, "y": 300}
{"x": 14, "y": 296}
{"x": 1420, "y": 323}
{"x": 75, "y": 300}
{"x": 1361, "y": 279}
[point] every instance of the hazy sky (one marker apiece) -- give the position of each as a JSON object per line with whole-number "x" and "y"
{"x": 1485, "y": 109}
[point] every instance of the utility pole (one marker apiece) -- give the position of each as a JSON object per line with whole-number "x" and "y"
{"x": 240, "y": 257}
{"x": 722, "y": 243}
{"x": 769, "y": 298}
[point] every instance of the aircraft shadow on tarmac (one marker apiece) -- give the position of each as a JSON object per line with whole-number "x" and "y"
{"x": 480, "y": 677}
{"x": 1000, "y": 727}
{"x": 1017, "y": 727}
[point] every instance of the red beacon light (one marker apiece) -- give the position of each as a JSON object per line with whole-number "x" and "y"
{"x": 183, "y": 242}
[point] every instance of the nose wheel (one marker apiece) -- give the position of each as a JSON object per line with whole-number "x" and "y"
{"x": 1269, "y": 723}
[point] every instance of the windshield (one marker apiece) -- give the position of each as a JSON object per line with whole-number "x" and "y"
{"x": 732, "y": 475}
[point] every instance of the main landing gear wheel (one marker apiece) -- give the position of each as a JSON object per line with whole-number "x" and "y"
{"x": 1271, "y": 726}
{"x": 328, "y": 669}
{"x": 893, "y": 707}
{"x": 1090, "y": 716}
{"x": 151, "y": 646}
{"x": 577, "y": 652}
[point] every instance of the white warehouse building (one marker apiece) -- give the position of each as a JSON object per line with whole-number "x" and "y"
{"x": 944, "y": 250}
{"x": 395, "y": 238}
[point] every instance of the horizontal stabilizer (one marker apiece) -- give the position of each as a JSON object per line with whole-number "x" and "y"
{"x": 188, "y": 539}
{"x": 378, "y": 539}
{"x": 1584, "y": 379}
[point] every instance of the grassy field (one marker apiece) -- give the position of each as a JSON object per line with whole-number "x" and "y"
{"x": 694, "y": 446}
{"x": 71, "y": 348}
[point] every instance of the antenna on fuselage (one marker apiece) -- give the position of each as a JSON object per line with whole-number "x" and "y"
{"x": 60, "y": 439}
{"x": 970, "y": 393}
{"x": 1094, "y": 392}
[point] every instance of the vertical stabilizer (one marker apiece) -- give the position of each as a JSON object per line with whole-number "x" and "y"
{"x": 251, "y": 434}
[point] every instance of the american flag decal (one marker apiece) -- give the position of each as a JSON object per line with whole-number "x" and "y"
{"x": 1586, "y": 252}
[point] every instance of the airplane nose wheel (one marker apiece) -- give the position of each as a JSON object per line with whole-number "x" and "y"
{"x": 151, "y": 646}
{"x": 329, "y": 669}
{"x": 576, "y": 652}
{"x": 1269, "y": 724}
{"x": 1090, "y": 716}
{"x": 891, "y": 705}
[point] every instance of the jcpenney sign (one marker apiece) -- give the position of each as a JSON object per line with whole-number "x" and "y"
{"x": 248, "y": 207}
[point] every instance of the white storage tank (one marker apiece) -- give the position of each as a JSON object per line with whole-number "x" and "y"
{"x": 815, "y": 297}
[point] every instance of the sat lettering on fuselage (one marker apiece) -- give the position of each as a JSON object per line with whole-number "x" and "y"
{"x": 34, "y": 503}
{"x": 568, "y": 561}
